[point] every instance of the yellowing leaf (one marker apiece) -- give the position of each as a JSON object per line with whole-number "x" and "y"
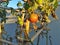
{"x": 55, "y": 4}
{"x": 48, "y": 20}
{"x": 39, "y": 1}
{"x": 22, "y": 17}
{"x": 34, "y": 7}
{"x": 54, "y": 16}
{"x": 20, "y": 21}
{"x": 0, "y": 29}
{"x": 35, "y": 26}
{"x": 19, "y": 18}
{"x": 27, "y": 26}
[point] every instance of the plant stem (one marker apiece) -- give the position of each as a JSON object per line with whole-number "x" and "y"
{"x": 50, "y": 40}
{"x": 38, "y": 39}
{"x": 35, "y": 36}
{"x": 0, "y": 33}
{"x": 46, "y": 37}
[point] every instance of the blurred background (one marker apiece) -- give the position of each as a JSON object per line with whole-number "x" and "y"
{"x": 54, "y": 27}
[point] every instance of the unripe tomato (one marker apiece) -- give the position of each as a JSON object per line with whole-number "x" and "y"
{"x": 33, "y": 18}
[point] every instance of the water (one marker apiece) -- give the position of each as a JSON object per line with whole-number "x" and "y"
{"x": 54, "y": 32}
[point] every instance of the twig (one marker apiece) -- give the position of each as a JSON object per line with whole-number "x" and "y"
{"x": 2, "y": 40}
{"x": 50, "y": 40}
{"x": 25, "y": 40}
{"x": 38, "y": 39}
{"x": 36, "y": 35}
{"x": 47, "y": 38}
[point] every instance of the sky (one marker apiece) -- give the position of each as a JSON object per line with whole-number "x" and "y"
{"x": 13, "y": 3}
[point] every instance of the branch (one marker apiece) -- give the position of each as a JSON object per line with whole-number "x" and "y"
{"x": 36, "y": 35}
{"x": 2, "y": 40}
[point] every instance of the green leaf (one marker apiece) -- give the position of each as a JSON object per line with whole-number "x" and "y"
{"x": 3, "y": 15}
{"x": 51, "y": 0}
{"x": 55, "y": 4}
{"x": 26, "y": 6}
{"x": 19, "y": 4}
{"x": 4, "y": 4}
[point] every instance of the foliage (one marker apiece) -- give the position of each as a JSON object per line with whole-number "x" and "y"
{"x": 40, "y": 11}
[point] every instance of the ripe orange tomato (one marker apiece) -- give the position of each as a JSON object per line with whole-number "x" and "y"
{"x": 33, "y": 18}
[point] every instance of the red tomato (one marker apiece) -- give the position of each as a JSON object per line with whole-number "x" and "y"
{"x": 33, "y": 18}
